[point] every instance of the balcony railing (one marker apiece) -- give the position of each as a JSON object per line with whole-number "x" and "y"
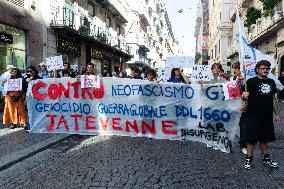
{"x": 88, "y": 26}
{"x": 264, "y": 24}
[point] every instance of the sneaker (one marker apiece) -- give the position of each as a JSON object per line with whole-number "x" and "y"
{"x": 209, "y": 146}
{"x": 244, "y": 151}
{"x": 268, "y": 161}
{"x": 248, "y": 162}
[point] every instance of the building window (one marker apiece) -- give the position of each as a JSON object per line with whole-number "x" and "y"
{"x": 118, "y": 30}
{"x": 108, "y": 21}
{"x": 20, "y": 3}
{"x": 12, "y": 51}
{"x": 91, "y": 9}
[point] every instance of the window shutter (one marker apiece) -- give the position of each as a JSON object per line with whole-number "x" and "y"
{"x": 20, "y": 3}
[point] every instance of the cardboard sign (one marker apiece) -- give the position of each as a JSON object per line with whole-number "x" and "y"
{"x": 187, "y": 72}
{"x": 201, "y": 73}
{"x": 231, "y": 90}
{"x": 90, "y": 81}
{"x": 179, "y": 61}
{"x": 54, "y": 63}
{"x": 13, "y": 85}
{"x": 164, "y": 74}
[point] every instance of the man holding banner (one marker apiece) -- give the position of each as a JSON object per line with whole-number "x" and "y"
{"x": 261, "y": 98}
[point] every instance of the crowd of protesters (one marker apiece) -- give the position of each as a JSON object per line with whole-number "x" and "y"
{"x": 256, "y": 122}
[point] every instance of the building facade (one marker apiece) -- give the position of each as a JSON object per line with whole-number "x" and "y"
{"x": 107, "y": 33}
{"x": 198, "y": 34}
{"x": 267, "y": 34}
{"x": 220, "y": 27}
{"x": 149, "y": 33}
{"x": 21, "y": 34}
{"x": 87, "y": 31}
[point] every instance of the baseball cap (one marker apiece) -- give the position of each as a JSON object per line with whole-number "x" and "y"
{"x": 10, "y": 67}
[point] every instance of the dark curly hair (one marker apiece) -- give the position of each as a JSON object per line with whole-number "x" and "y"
{"x": 262, "y": 63}
{"x": 18, "y": 75}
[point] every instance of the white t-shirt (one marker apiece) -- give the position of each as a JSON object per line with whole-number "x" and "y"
{"x": 4, "y": 76}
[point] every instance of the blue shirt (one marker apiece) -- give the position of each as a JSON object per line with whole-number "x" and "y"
{"x": 176, "y": 80}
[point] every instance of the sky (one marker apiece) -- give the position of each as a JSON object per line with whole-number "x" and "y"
{"x": 183, "y": 24}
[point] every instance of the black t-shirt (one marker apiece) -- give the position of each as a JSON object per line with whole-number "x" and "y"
{"x": 261, "y": 91}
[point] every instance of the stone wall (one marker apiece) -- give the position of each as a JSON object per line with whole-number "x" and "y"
{"x": 29, "y": 20}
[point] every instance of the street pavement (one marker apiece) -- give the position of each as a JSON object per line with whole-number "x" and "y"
{"x": 125, "y": 162}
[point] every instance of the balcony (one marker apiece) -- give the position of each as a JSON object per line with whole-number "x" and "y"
{"x": 266, "y": 27}
{"x": 76, "y": 20}
{"x": 224, "y": 25}
{"x": 143, "y": 13}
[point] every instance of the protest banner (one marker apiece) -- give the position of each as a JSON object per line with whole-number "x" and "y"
{"x": 134, "y": 108}
{"x": 231, "y": 90}
{"x": 89, "y": 81}
{"x": 201, "y": 73}
{"x": 13, "y": 85}
{"x": 54, "y": 63}
{"x": 179, "y": 61}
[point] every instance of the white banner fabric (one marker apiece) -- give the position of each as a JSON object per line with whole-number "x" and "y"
{"x": 134, "y": 108}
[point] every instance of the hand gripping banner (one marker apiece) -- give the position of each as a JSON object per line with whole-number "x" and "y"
{"x": 134, "y": 108}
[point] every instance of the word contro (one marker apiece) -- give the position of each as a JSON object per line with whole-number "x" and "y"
{"x": 105, "y": 124}
{"x": 184, "y": 91}
{"x": 133, "y": 110}
{"x": 64, "y": 107}
{"x": 41, "y": 91}
{"x": 203, "y": 113}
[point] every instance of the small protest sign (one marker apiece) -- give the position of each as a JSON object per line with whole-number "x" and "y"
{"x": 54, "y": 63}
{"x": 13, "y": 85}
{"x": 164, "y": 74}
{"x": 201, "y": 73}
{"x": 90, "y": 81}
{"x": 187, "y": 72}
{"x": 179, "y": 61}
{"x": 231, "y": 90}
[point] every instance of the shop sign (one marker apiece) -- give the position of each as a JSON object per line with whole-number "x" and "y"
{"x": 6, "y": 38}
{"x": 68, "y": 47}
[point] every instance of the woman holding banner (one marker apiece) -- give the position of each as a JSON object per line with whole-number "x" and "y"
{"x": 32, "y": 74}
{"x": 152, "y": 75}
{"x": 14, "y": 111}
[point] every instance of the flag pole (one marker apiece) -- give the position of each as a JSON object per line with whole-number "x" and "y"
{"x": 241, "y": 53}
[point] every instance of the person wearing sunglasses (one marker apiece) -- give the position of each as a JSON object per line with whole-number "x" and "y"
{"x": 32, "y": 74}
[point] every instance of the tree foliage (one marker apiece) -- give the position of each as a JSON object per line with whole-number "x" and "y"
{"x": 252, "y": 14}
{"x": 268, "y": 6}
